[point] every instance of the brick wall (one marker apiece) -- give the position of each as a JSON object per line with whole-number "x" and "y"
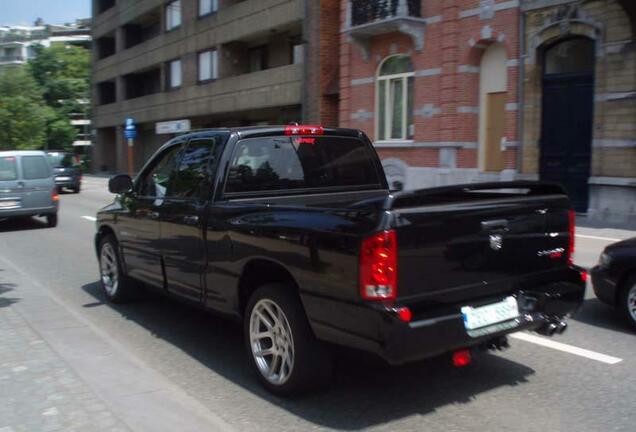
{"x": 446, "y": 94}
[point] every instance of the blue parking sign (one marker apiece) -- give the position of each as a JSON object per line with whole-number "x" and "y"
{"x": 130, "y": 130}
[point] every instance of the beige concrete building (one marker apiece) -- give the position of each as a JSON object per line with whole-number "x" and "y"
{"x": 178, "y": 65}
{"x": 578, "y": 104}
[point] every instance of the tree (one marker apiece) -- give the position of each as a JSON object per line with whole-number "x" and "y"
{"x": 23, "y": 114}
{"x": 62, "y": 72}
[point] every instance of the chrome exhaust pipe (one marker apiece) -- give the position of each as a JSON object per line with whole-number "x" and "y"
{"x": 562, "y": 326}
{"x": 548, "y": 329}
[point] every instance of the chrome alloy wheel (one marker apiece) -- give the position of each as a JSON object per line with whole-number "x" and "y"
{"x": 271, "y": 342}
{"x": 631, "y": 302}
{"x": 108, "y": 269}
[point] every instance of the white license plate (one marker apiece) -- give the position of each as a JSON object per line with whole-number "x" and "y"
{"x": 9, "y": 204}
{"x": 483, "y": 316}
{"x": 63, "y": 178}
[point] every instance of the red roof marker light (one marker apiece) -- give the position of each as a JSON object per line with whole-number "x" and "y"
{"x": 304, "y": 130}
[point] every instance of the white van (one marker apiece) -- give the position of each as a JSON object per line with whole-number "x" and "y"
{"x": 27, "y": 186}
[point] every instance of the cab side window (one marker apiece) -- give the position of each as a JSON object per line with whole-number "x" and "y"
{"x": 155, "y": 181}
{"x": 191, "y": 173}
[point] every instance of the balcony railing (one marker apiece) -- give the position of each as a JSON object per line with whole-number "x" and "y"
{"x": 12, "y": 58}
{"x": 366, "y": 11}
{"x": 367, "y": 19}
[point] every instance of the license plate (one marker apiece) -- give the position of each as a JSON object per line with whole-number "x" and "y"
{"x": 63, "y": 178}
{"x": 9, "y": 204}
{"x": 483, "y": 316}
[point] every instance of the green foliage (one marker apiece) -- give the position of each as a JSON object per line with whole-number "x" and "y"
{"x": 23, "y": 115}
{"x": 63, "y": 73}
{"x": 36, "y": 101}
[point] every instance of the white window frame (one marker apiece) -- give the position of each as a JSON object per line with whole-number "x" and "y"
{"x": 212, "y": 56}
{"x": 207, "y": 7}
{"x": 173, "y": 84}
{"x": 173, "y": 15}
{"x": 388, "y": 108}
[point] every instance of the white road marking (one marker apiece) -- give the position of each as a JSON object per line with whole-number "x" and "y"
{"x": 592, "y": 355}
{"x": 90, "y": 218}
{"x": 598, "y": 238}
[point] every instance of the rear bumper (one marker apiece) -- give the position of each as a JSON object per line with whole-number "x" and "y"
{"x": 378, "y": 329}
{"x": 72, "y": 183}
{"x": 28, "y": 211}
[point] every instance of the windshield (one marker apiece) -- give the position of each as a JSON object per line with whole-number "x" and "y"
{"x": 64, "y": 160}
{"x": 8, "y": 168}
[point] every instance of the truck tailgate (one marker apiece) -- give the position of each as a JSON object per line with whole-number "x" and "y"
{"x": 461, "y": 243}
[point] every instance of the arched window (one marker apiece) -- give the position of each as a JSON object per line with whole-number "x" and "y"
{"x": 394, "y": 98}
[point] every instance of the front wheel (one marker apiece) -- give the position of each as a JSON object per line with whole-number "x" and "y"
{"x": 117, "y": 287}
{"x": 284, "y": 352}
{"x": 628, "y": 301}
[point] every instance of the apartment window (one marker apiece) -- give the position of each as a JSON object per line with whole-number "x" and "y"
{"x": 207, "y": 7}
{"x": 395, "y": 88}
{"x": 298, "y": 53}
{"x": 174, "y": 77}
{"x": 208, "y": 65}
{"x": 258, "y": 58}
{"x": 173, "y": 15}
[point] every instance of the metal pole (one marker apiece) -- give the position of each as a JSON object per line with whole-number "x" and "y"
{"x": 131, "y": 142}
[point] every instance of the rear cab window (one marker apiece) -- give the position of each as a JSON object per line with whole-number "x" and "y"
{"x": 294, "y": 164}
{"x": 35, "y": 167}
{"x": 8, "y": 168}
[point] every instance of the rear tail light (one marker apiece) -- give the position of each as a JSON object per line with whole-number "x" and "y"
{"x": 304, "y": 130}
{"x": 378, "y": 267}
{"x": 572, "y": 232}
{"x": 55, "y": 197}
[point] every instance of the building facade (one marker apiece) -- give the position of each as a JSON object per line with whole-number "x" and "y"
{"x": 579, "y": 101}
{"x": 173, "y": 66}
{"x": 459, "y": 91}
{"x": 16, "y": 42}
{"x": 435, "y": 84}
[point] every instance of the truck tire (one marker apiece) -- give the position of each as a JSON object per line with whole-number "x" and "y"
{"x": 627, "y": 300}
{"x": 51, "y": 220}
{"x": 117, "y": 287}
{"x": 282, "y": 349}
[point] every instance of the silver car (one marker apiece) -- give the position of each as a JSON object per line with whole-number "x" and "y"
{"x": 27, "y": 186}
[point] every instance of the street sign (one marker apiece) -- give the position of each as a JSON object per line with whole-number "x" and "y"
{"x": 130, "y": 130}
{"x": 172, "y": 127}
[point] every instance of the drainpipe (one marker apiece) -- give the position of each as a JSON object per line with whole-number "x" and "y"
{"x": 520, "y": 91}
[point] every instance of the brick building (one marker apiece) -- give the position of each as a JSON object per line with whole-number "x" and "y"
{"x": 435, "y": 84}
{"x": 176, "y": 65}
{"x": 454, "y": 91}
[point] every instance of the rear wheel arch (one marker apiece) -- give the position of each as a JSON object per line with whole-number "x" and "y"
{"x": 624, "y": 284}
{"x": 259, "y": 272}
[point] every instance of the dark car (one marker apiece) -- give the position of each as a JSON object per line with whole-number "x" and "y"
{"x": 614, "y": 278}
{"x": 293, "y": 231}
{"x": 67, "y": 171}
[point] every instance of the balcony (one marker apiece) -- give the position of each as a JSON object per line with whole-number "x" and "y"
{"x": 369, "y": 18}
{"x": 12, "y": 59}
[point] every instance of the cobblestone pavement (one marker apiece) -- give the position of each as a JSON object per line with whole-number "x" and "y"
{"x": 38, "y": 390}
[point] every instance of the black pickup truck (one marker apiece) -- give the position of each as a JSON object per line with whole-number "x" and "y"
{"x": 294, "y": 231}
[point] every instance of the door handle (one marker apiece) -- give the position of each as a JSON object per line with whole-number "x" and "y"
{"x": 20, "y": 185}
{"x": 191, "y": 220}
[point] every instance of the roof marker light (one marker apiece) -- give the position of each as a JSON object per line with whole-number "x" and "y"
{"x": 304, "y": 130}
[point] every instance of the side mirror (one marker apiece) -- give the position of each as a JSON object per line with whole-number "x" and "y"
{"x": 120, "y": 184}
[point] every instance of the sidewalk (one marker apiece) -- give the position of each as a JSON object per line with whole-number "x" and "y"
{"x": 59, "y": 373}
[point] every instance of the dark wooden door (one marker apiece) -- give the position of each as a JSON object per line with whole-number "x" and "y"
{"x": 566, "y": 134}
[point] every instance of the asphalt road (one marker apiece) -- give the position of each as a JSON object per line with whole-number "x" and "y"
{"x": 529, "y": 387}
